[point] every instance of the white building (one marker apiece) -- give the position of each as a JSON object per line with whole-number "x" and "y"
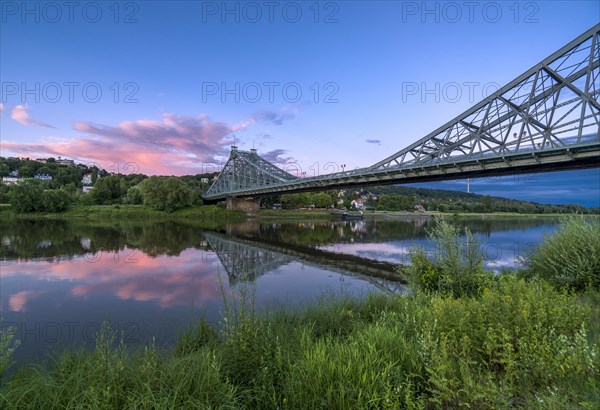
{"x": 358, "y": 203}
{"x": 11, "y": 180}
{"x": 43, "y": 177}
{"x": 63, "y": 161}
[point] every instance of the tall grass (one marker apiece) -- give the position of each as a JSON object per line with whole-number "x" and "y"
{"x": 517, "y": 345}
{"x": 8, "y": 344}
{"x": 456, "y": 266}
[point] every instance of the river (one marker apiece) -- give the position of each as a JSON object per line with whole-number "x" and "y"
{"x": 60, "y": 279}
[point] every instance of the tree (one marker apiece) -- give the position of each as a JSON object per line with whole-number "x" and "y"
{"x": 487, "y": 203}
{"x": 166, "y": 193}
{"x": 4, "y": 190}
{"x": 109, "y": 189}
{"x": 25, "y": 197}
{"x": 4, "y": 170}
{"x": 134, "y": 196}
{"x": 322, "y": 200}
{"x": 44, "y": 170}
{"x": 26, "y": 170}
{"x": 289, "y": 201}
{"x": 55, "y": 200}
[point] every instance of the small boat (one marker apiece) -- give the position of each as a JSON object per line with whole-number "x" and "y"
{"x": 345, "y": 215}
{"x": 348, "y": 215}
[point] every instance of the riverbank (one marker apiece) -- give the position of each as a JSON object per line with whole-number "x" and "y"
{"x": 213, "y": 211}
{"x": 380, "y": 352}
{"x": 326, "y": 214}
{"x": 134, "y": 212}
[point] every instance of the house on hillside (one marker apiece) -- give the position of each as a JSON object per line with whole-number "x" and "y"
{"x": 11, "y": 180}
{"x": 419, "y": 208}
{"x": 358, "y": 203}
{"x": 63, "y": 161}
{"x": 86, "y": 181}
{"x": 43, "y": 177}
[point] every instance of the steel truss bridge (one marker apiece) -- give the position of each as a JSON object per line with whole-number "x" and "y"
{"x": 547, "y": 119}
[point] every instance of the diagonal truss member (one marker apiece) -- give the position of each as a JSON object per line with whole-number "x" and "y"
{"x": 552, "y": 105}
{"x": 245, "y": 169}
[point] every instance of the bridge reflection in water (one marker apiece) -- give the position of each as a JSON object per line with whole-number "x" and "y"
{"x": 247, "y": 258}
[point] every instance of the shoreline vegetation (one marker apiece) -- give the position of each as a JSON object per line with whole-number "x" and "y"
{"x": 219, "y": 213}
{"x": 131, "y": 211}
{"x": 465, "y": 338}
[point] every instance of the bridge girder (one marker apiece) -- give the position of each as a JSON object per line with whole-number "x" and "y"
{"x": 553, "y": 104}
{"x": 246, "y": 169}
{"x": 547, "y": 119}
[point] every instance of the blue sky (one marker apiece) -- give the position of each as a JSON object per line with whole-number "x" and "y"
{"x": 168, "y": 86}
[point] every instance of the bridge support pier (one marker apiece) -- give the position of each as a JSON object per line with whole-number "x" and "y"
{"x": 243, "y": 204}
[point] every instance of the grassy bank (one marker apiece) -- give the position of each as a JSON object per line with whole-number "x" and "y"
{"x": 135, "y": 212}
{"x": 212, "y": 211}
{"x": 520, "y": 345}
{"x": 468, "y": 214}
{"x": 508, "y": 215}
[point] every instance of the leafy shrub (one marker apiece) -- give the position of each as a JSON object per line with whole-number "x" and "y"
{"x": 25, "y": 197}
{"x": 31, "y": 197}
{"x": 109, "y": 189}
{"x": 456, "y": 268}
{"x": 515, "y": 342}
{"x": 55, "y": 200}
{"x": 166, "y": 193}
{"x": 570, "y": 257}
{"x": 134, "y": 196}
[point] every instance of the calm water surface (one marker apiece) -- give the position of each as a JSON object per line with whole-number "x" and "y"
{"x": 60, "y": 279}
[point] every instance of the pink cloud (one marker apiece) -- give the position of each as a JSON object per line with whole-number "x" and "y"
{"x": 17, "y": 302}
{"x": 19, "y": 114}
{"x": 174, "y": 145}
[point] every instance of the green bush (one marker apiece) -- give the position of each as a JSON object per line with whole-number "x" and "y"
{"x": 108, "y": 190}
{"x": 166, "y": 193}
{"x": 569, "y": 257}
{"x": 55, "y": 200}
{"x": 31, "y": 196}
{"x": 134, "y": 196}
{"x": 456, "y": 267}
{"x": 25, "y": 197}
